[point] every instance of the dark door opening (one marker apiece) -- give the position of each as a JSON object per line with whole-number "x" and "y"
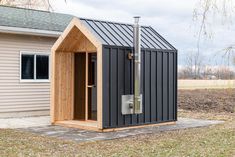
{"x": 80, "y": 86}
{"x": 85, "y": 82}
{"x": 92, "y": 90}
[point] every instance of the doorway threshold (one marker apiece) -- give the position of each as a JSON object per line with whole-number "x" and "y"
{"x": 86, "y": 125}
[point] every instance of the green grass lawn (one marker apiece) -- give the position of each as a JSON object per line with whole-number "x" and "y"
{"x": 212, "y": 141}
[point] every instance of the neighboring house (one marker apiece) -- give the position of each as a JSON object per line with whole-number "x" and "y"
{"x": 26, "y": 37}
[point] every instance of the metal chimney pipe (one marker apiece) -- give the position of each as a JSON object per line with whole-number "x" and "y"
{"x": 137, "y": 66}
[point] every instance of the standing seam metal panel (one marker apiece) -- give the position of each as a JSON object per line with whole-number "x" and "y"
{"x": 158, "y": 86}
{"x": 120, "y": 34}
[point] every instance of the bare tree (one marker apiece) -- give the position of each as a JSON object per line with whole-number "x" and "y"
{"x": 189, "y": 64}
{"x": 207, "y": 10}
{"x": 224, "y": 73}
{"x": 29, "y": 4}
{"x": 194, "y": 64}
{"x": 204, "y": 13}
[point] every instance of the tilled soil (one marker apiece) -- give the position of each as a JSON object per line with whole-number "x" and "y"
{"x": 211, "y": 100}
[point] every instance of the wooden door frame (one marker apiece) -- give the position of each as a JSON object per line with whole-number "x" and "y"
{"x": 66, "y": 46}
{"x": 88, "y": 86}
{"x": 86, "y": 92}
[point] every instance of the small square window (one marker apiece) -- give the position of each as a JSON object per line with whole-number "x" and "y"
{"x": 27, "y": 66}
{"x": 34, "y": 67}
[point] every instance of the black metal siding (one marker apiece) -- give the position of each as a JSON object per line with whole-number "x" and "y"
{"x": 159, "y": 82}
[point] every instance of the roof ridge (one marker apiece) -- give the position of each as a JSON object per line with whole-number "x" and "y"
{"x": 15, "y": 7}
{"x": 36, "y": 10}
{"x": 108, "y": 21}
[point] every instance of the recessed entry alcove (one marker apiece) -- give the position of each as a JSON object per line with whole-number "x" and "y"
{"x": 92, "y": 70}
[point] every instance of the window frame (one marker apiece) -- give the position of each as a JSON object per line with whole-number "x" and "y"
{"x": 35, "y": 53}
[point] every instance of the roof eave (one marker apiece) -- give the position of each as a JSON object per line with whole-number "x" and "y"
{"x": 76, "y": 23}
{"x": 29, "y": 31}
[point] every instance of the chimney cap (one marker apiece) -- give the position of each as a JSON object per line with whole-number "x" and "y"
{"x": 136, "y": 19}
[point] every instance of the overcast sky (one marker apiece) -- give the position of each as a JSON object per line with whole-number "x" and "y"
{"x": 171, "y": 18}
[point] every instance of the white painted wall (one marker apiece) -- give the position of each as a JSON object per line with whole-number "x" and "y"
{"x": 21, "y": 98}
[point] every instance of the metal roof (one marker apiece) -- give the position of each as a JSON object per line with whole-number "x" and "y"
{"x": 120, "y": 34}
{"x": 109, "y": 33}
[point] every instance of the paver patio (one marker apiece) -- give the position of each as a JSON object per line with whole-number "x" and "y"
{"x": 80, "y": 135}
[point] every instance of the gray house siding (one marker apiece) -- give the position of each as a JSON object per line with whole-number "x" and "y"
{"x": 17, "y": 96}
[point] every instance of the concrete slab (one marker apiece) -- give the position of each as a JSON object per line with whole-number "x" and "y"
{"x": 24, "y": 122}
{"x": 79, "y": 135}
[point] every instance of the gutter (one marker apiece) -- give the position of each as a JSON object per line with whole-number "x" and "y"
{"x": 28, "y": 31}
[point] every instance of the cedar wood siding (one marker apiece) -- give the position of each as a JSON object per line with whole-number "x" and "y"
{"x": 16, "y": 96}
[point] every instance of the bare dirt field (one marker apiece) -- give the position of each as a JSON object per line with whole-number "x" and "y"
{"x": 211, "y": 100}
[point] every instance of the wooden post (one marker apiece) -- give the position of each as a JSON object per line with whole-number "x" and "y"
{"x": 86, "y": 101}
{"x": 99, "y": 88}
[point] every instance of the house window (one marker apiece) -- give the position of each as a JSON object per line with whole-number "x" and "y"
{"x": 27, "y": 66}
{"x": 42, "y": 67}
{"x": 34, "y": 67}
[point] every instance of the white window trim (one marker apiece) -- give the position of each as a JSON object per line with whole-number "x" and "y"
{"x": 36, "y": 53}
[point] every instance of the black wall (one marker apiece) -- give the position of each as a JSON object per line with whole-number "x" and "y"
{"x": 159, "y": 82}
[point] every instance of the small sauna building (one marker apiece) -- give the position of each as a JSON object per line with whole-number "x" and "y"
{"x": 109, "y": 75}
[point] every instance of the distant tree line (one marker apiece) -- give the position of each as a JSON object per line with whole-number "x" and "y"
{"x": 221, "y": 72}
{"x": 197, "y": 67}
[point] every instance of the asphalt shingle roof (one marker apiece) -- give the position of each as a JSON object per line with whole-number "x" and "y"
{"x": 34, "y": 19}
{"x": 109, "y": 33}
